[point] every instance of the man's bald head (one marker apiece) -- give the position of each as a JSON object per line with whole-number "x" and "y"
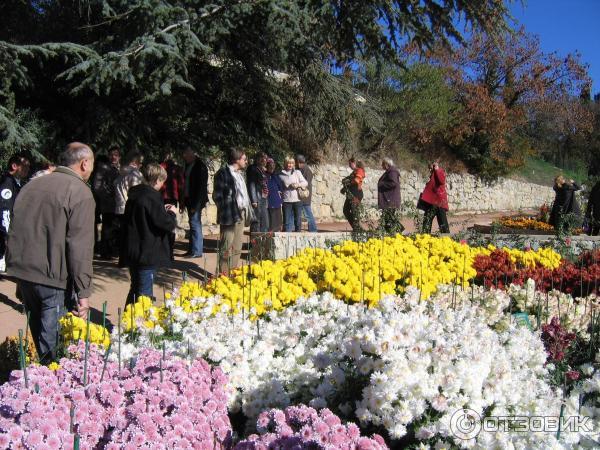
{"x": 79, "y": 157}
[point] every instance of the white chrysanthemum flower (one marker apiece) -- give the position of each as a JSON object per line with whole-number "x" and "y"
{"x": 392, "y": 365}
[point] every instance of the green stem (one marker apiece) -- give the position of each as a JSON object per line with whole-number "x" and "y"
{"x": 161, "y": 361}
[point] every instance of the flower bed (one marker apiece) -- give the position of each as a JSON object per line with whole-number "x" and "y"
{"x": 525, "y": 223}
{"x": 354, "y": 272}
{"x": 155, "y": 399}
{"x": 375, "y": 354}
{"x": 402, "y": 367}
{"x": 75, "y": 329}
{"x": 579, "y": 278}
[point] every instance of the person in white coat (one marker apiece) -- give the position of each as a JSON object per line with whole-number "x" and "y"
{"x": 129, "y": 177}
{"x": 292, "y": 180}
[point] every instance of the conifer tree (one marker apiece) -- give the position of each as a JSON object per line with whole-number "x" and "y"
{"x": 158, "y": 74}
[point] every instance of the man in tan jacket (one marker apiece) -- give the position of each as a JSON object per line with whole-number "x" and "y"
{"x": 51, "y": 246}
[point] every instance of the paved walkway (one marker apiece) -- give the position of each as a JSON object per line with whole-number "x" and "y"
{"x": 111, "y": 283}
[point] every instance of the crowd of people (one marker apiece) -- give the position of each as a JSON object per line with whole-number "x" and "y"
{"x": 273, "y": 198}
{"x": 48, "y": 233}
{"x": 49, "y": 230}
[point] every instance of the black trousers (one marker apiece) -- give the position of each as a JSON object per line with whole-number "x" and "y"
{"x": 2, "y": 244}
{"x": 439, "y": 213}
{"x": 351, "y": 206}
{"x": 170, "y": 201}
{"x": 109, "y": 239}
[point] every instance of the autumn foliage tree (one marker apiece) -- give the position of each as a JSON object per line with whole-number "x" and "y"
{"x": 505, "y": 84}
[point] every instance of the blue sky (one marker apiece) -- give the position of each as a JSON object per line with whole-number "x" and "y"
{"x": 564, "y": 26}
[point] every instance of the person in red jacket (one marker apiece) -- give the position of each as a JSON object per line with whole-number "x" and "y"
{"x": 434, "y": 200}
{"x": 172, "y": 190}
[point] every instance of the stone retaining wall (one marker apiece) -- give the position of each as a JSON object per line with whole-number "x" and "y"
{"x": 276, "y": 246}
{"x": 465, "y": 193}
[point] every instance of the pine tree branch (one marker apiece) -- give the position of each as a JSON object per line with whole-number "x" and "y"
{"x": 204, "y": 15}
{"x": 110, "y": 20}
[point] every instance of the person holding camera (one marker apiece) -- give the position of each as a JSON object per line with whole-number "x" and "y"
{"x": 352, "y": 189}
{"x": 565, "y": 202}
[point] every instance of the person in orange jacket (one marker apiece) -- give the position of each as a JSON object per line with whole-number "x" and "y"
{"x": 352, "y": 188}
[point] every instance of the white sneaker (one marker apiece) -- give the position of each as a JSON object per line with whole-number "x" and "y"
{"x": 2, "y": 265}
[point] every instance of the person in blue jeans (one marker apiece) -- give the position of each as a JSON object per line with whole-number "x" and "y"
{"x": 276, "y": 188}
{"x": 52, "y": 246}
{"x": 306, "y": 208}
{"x": 148, "y": 223}
{"x": 195, "y": 199}
{"x": 292, "y": 179}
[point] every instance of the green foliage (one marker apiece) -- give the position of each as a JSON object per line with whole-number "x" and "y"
{"x": 23, "y": 131}
{"x": 416, "y": 103}
{"x": 156, "y": 75}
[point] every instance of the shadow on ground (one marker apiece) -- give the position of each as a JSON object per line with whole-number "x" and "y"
{"x": 17, "y": 306}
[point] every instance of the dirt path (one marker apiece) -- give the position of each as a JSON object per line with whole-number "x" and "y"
{"x": 111, "y": 283}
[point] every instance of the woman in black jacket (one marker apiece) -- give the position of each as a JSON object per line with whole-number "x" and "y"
{"x": 148, "y": 222}
{"x": 564, "y": 202}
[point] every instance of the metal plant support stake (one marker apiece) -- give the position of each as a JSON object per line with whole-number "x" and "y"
{"x": 23, "y": 358}
{"x": 72, "y": 427}
{"x": 57, "y": 324}
{"x": 105, "y": 361}
{"x": 362, "y": 287}
{"x": 119, "y": 337}
{"x": 103, "y": 321}
{"x": 243, "y": 289}
{"x": 27, "y": 330}
{"x": 87, "y": 350}
{"x": 560, "y": 419}
{"x": 131, "y": 313}
{"x": 421, "y": 281}
{"x": 161, "y": 361}
{"x": 205, "y": 272}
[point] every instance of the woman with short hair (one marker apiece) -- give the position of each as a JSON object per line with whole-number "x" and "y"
{"x": 147, "y": 225}
{"x": 292, "y": 180}
{"x": 388, "y": 196}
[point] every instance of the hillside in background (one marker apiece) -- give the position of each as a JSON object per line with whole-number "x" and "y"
{"x": 541, "y": 172}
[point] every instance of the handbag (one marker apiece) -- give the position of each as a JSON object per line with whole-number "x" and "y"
{"x": 422, "y": 204}
{"x": 303, "y": 193}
